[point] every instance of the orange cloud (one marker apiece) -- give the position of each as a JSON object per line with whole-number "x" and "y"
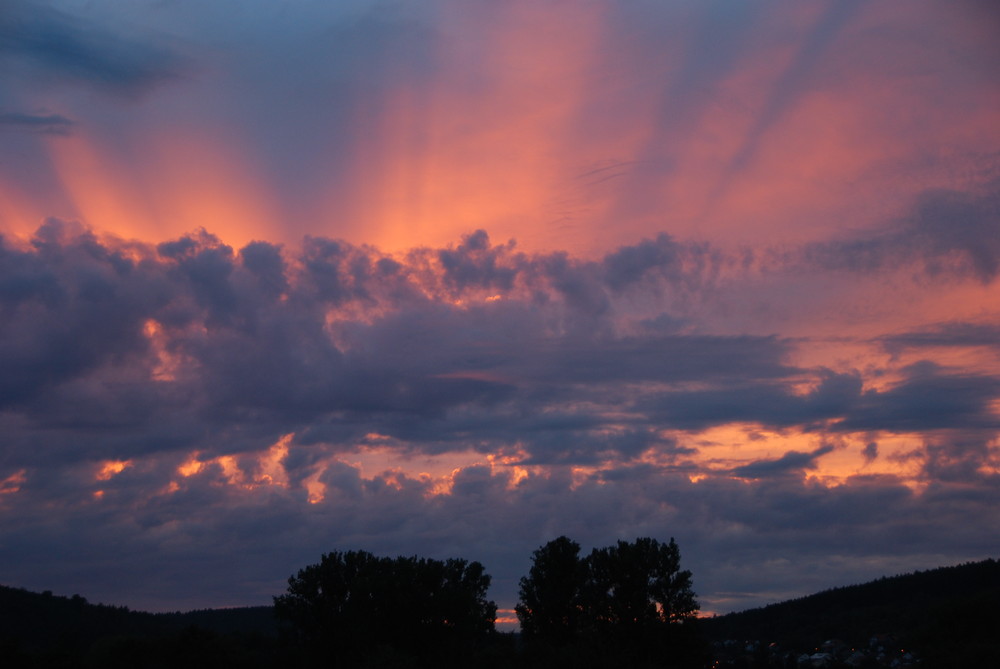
{"x": 111, "y": 468}
{"x": 12, "y": 483}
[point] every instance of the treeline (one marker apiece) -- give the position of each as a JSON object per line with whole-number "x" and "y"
{"x": 618, "y": 606}
{"x": 356, "y": 609}
{"x": 628, "y": 604}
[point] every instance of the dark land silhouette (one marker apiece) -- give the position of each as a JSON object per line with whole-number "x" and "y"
{"x": 946, "y": 617}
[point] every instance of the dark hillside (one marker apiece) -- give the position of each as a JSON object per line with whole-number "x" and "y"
{"x": 45, "y": 621}
{"x": 46, "y": 630}
{"x": 244, "y": 620}
{"x": 946, "y": 614}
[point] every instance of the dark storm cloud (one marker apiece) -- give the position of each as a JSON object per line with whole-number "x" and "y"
{"x": 668, "y": 358}
{"x": 866, "y": 528}
{"x": 792, "y": 462}
{"x": 929, "y": 399}
{"x": 960, "y": 457}
{"x": 629, "y": 264}
{"x": 47, "y": 124}
{"x": 589, "y": 447}
{"x": 56, "y": 44}
{"x": 115, "y": 350}
{"x": 240, "y": 341}
{"x": 71, "y": 306}
{"x": 870, "y": 451}
{"x": 333, "y": 342}
{"x": 475, "y": 264}
{"x": 946, "y": 232}
{"x": 945, "y": 335}
{"x": 770, "y": 404}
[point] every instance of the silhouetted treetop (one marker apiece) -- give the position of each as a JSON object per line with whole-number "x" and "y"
{"x": 551, "y": 595}
{"x": 640, "y": 584}
{"x": 627, "y": 601}
{"x": 353, "y": 602}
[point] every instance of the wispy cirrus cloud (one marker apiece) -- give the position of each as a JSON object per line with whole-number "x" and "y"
{"x": 47, "y": 124}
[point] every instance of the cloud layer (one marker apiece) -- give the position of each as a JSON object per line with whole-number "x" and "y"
{"x": 455, "y": 278}
{"x": 186, "y": 400}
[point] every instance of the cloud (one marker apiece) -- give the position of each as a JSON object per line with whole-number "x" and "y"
{"x": 473, "y": 400}
{"x": 928, "y": 400}
{"x": 51, "y": 124}
{"x": 870, "y": 451}
{"x": 474, "y": 264}
{"x": 792, "y": 462}
{"x": 56, "y": 44}
{"x": 947, "y": 232}
{"x": 475, "y": 344}
{"x": 142, "y": 546}
{"x": 767, "y": 403}
{"x": 749, "y": 304}
{"x": 72, "y": 307}
{"x": 952, "y": 334}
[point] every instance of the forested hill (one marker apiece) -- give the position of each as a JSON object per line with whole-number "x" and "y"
{"x": 948, "y": 615}
{"x": 949, "y": 611}
{"x": 52, "y": 630}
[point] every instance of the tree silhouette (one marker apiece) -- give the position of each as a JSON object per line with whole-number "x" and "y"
{"x": 635, "y": 586}
{"x": 354, "y": 605}
{"x": 551, "y": 595}
{"x": 630, "y": 602}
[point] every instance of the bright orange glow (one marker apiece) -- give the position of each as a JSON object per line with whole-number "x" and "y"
{"x": 443, "y": 485}
{"x": 506, "y": 616}
{"x": 13, "y": 483}
{"x": 393, "y": 478}
{"x": 98, "y": 494}
{"x": 580, "y": 475}
{"x": 230, "y": 469}
{"x": 372, "y": 460}
{"x": 508, "y": 463}
{"x": 728, "y": 447}
{"x": 167, "y": 364}
{"x": 271, "y": 468}
{"x": 163, "y": 186}
{"x": 102, "y": 191}
{"x": 20, "y": 215}
{"x": 518, "y": 474}
{"x": 443, "y": 158}
{"x": 206, "y": 179}
{"x": 315, "y": 489}
{"x": 553, "y": 126}
{"x": 191, "y": 467}
{"x": 112, "y": 467}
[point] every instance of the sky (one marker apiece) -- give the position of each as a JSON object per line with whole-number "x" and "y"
{"x": 454, "y": 278}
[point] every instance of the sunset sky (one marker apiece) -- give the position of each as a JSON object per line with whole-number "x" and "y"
{"x": 455, "y": 277}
